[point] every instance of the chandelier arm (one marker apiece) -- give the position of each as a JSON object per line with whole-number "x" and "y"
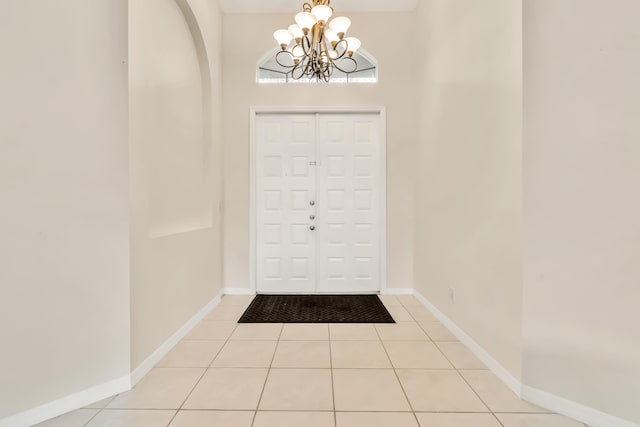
{"x": 344, "y": 52}
{"x": 287, "y": 53}
{"x": 355, "y": 65}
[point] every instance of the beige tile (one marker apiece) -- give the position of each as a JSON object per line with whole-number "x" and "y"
{"x": 100, "y": 404}
{"x": 416, "y": 354}
{"x": 257, "y": 331}
{"x": 302, "y": 354}
{"x": 212, "y": 419}
{"x": 353, "y": 332}
{"x": 409, "y": 301}
{"x": 305, "y": 332}
{"x": 460, "y": 356}
{"x": 401, "y": 332}
{"x": 245, "y": 354}
{"x": 162, "y": 388}
{"x": 389, "y": 300}
{"x": 439, "y": 391}
{"x": 294, "y": 419}
{"x": 211, "y": 331}
{"x": 228, "y": 388}
{"x": 359, "y": 354}
{"x": 421, "y": 313}
{"x": 132, "y": 418}
{"x": 376, "y": 419}
{"x": 226, "y": 312}
{"x": 537, "y": 420}
{"x": 191, "y": 354}
{"x": 437, "y": 331}
{"x": 400, "y": 314}
{"x": 457, "y": 420}
{"x": 243, "y": 300}
{"x": 368, "y": 390}
{"x": 77, "y": 418}
{"x": 496, "y": 395}
{"x": 298, "y": 390}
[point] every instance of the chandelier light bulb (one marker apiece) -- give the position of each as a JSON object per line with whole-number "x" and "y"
{"x": 306, "y": 21}
{"x": 322, "y": 13}
{"x": 353, "y": 44}
{"x": 340, "y": 25}
{"x": 332, "y": 37}
{"x": 283, "y": 37}
{"x": 297, "y": 32}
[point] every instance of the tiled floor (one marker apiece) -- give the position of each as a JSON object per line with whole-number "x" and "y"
{"x": 411, "y": 374}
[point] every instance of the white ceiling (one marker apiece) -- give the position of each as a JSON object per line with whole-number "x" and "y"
{"x": 293, "y": 6}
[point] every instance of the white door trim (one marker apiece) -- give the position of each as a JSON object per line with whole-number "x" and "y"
{"x": 253, "y": 112}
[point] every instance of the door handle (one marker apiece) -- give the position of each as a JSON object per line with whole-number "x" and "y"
{"x": 312, "y": 203}
{"x": 312, "y": 227}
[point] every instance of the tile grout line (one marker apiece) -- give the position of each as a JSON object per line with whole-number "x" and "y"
{"x": 333, "y": 390}
{"x": 266, "y": 378}
{"x": 202, "y": 376}
{"x": 404, "y": 392}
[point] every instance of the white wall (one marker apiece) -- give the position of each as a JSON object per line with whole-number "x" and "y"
{"x": 468, "y": 172}
{"x": 395, "y": 91}
{"x": 175, "y": 166}
{"x": 64, "y": 250}
{"x": 582, "y": 202}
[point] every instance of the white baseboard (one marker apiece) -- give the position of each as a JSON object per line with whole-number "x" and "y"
{"x": 143, "y": 369}
{"x": 238, "y": 291}
{"x": 67, "y": 404}
{"x": 397, "y": 291}
{"x": 552, "y": 402}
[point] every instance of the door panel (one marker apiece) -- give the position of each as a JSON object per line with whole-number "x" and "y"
{"x": 348, "y": 258}
{"x": 285, "y": 187}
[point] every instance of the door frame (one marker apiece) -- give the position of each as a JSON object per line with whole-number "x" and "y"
{"x": 382, "y": 170}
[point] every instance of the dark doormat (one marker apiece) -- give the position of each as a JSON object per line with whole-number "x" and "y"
{"x": 316, "y": 309}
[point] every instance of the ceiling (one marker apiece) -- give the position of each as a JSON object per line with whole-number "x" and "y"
{"x": 292, "y": 6}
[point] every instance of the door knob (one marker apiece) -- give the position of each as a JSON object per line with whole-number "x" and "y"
{"x": 312, "y": 228}
{"x": 312, "y": 217}
{"x": 312, "y": 203}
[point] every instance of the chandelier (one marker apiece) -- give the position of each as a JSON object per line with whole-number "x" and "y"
{"x": 315, "y": 47}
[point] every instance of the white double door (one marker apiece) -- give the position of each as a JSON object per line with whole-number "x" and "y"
{"x": 318, "y": 200}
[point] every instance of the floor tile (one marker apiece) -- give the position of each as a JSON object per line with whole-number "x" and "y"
{"x": 421, "y": 313}
{"x": 213, "y": 419}
{"x": 368, "y": 390}
{"x": 497, "y": 396}
{"x": 416, "y": 354}
{"x": 72, "y": 419}
{"x": 359, "y": 354}
{"x": 376, "y": 419}
{"x": 537, "y": 420}
{"x": 245, "y": 354}
{"x": 437, "y": 331}
{"x": 131, "y": 418}
{"x": 439, "y": 391}
{"x": 228, "y": 388}
{"x": 191, "y": 354}
{"x": 257, "y": 331}
{"x": 399, "y": 314}
{"x": 302, "y": 354}
{"x": 390, "y": 300}
{"x": 294, "y": 419}
{"x": 243, "y": 300}
{"x": 460, "y": 356}
{"x": 226, "y": 312}
{"x": 401, "y": 332}
{"x": 353, "y": 332}
{"x": 162, "y": 388}
{"x": 100, "y": 404}
{"x": 305, "y": 332}
{"x": 409, "y": 301}
{"x": 457, "y": 420}
{"x": 298, "y": 390}
{"x": 211, "y": 331}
